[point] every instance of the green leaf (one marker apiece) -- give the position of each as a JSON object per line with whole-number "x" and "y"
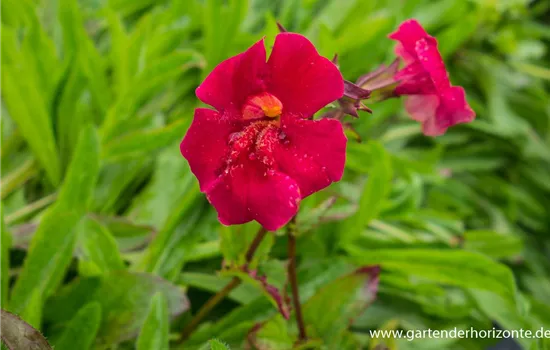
{"x": 493, "y": 244}
{"x": 124, "y": 298}
{"x": 235, "y": 241}
{"x": 243, "y": 294}
{"x": 5, "y": 245}
{"x": 97, "y": 248}
{"x": 154, "y": 332}
{"x": 274, "y": 334}
{"x": 76, "y": 192}
{"x": 452, "y": 267}
{"x": 72, "y": 109}
{"x": 17, "y": 334}
{"x": 28, "y": 108}
{"x": 51, "y": 248}
{"x": 33, "y": 310}
{"x": 166, "y": 254}
{"x": 77, "y": 44}
{"x": 373, "y": 194}
{"x": 16, "y": 178}
{"x": 272, "y": 293}
{"x": 217, "y": 345}
{"x": 327, "y": 313}
{"x": 81, "y": 329}
{"x": 172, "y": 180}
{"x": 138, "y": 143}
{"x": 489, "y": 282}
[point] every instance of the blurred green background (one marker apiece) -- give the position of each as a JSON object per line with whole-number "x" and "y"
{"x": 107, "y": 242}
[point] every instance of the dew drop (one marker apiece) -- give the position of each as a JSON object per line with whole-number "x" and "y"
{"x": 282, "y": 135}
{"x": 252, "y": 156}
{"x": 271, "y": 172}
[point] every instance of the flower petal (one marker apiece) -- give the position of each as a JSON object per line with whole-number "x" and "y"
{"x": 413, "y": 79}
{"x": 251, "y": 192}
{"x": 408, "y": 33}
{"x": 421, "y": 107}
{"x": 312, "y": 152}
{"x": 453, "y": 108}
{"x": 430, "y": 58}
{"x": 205, "y": 144}
{"x": 438, "y": 113}
{"x": 303, "y": 80}
{"x": 233, "y": 80}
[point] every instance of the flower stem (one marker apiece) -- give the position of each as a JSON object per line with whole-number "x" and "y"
{"x": 207, "y": 307}
{"x": 294, "y": 280}
{"x": 219, "y": 296}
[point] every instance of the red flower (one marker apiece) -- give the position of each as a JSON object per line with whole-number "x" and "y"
{"x": 259, "y": 153}
{"x": 431, "y": 99}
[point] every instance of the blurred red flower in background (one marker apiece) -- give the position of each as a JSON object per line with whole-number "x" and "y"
{"x": 259, "y": 153}
{"x": 430, "y": 97}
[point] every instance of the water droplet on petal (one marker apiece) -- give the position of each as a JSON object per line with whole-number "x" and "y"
{"x": 271, "y": 172}
{"x": 252, "y": 156}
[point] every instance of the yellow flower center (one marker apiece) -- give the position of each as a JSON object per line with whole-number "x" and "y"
{"x": 262, "y": 105}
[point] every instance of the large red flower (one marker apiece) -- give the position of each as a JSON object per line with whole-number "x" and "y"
{"x": 259, "y": 153}
{"x": 431, "y": 99}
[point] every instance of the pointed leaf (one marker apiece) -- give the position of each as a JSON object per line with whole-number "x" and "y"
{"x": 217, "y": 345}
{"x": 51, "y": 248}
{"x": 124, "y": 298}
{"x": 5, "y": 245}
{"x": 154, "y": 332}
{"x": 329, "y": 312}
{"x": 82, "y": 329}
{"x": 97, "y": 249}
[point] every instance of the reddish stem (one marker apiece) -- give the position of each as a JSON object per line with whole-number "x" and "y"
{"x": 294, "y": 280}
{"x": 219, "y": 296}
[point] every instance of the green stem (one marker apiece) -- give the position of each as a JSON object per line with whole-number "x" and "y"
{"x": 18, "y": 177}
{"x": 29, "y": 209}
{"x": 219, "y": 296}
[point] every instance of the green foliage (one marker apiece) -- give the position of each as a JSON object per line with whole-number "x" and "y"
{"x": 105, "y": 231}
{"x": 217, "y": 345}
{"x": 81, "y": 330}
{"x": 154, "y": 332}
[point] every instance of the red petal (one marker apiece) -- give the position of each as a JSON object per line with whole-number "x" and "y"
{"x": 437, "y": 113}
{"x": 408, "y": 33}
{"x": 414, "y": 80}
{"x": 453, "y": 108}
{"x": 250, "y": 192}
{"x": 312, "y": 152}
{"x": 422, "y": 107}
{"x": 233, "y": 80}
{"x": 431, "y": 60}
{"x": 205, "y": 144}
{"x": 304, "y": 81}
